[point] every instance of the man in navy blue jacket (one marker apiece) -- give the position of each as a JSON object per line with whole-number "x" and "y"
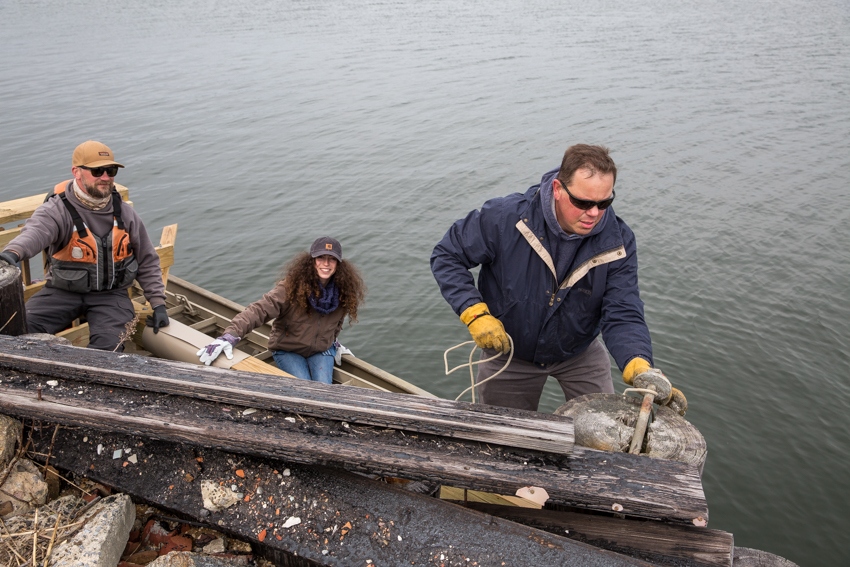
{"x": 557, "y": 268}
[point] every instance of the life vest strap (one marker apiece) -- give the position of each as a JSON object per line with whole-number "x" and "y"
{"x": 116, "y": 209}
{"x": 75, "y": 216}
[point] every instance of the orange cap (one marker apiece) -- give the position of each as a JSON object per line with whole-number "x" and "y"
{"x": 93, "y": 154}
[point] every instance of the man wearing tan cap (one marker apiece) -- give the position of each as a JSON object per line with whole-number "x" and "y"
{"x": 97, "y": 245}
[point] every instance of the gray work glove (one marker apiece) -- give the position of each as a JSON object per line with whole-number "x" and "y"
{"x": 9, "y": 257}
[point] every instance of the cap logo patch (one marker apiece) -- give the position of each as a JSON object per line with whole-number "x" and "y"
{"x": 105, "y": 154}
{"x": 329, "y": 246}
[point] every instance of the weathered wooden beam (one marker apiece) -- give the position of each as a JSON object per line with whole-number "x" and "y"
{"x": 13, "y": 314}
{"x": 488, "y": 424}
{"x": 644, "y": 539}
{"x": 630, "y": 484}
{"x": 345, "y": 519}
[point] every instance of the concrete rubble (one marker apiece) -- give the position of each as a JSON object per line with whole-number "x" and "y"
{"x": 86, "y": 526}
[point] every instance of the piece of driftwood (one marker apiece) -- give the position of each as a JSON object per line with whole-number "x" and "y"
{"x": 342, "y": 518}
{"x": 13, "y": 314}
{"x": 592, "y": 479}
{"x": 503, "y": 426}
{"x": 656, "y": 542}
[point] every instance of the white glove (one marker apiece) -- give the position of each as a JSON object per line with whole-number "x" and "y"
{"x": 222, "y": 344}
{"x": 340, "y": 350}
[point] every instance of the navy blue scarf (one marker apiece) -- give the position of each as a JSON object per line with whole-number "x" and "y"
{"x": 329, "y": 300}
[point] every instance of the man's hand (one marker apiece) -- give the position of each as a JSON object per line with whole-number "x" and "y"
{"x": 158, "y": 319}
{"x": 222, "y": 344}
{"x": 9, "y": 257}
{"x": 640, "y": 374}
{"x": 486, "y": 330}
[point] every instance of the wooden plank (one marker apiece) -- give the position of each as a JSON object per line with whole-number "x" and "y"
{"x": 655, "y": 489}
{"x": 466, "y": 496}
{"x": 167, "y": 240}
{"x": 251, "y": 364}
{"x": 79, "y": 335}
{"x": 23, "y": 208}
{"x": 647, "y": 540}
{"x": 489, "y": 424}
{"x": 386, "y": 526}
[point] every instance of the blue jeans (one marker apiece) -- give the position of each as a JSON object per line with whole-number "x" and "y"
{"x": 319, "y": 367}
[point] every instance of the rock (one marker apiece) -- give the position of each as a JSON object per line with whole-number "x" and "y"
{"x": 217, "y": 545}
{"x": 217, "y": 498}
{"x": 187, "y": 559}
{"x": 10, "y": 430}
{"x": 24, "y": 488}
{"x": 102, "y": 540}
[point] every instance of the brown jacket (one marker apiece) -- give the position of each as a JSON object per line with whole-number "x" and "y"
{"x": 293, "y": 330}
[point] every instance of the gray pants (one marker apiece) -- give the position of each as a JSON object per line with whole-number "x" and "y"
{"x": 521, "y": 384}
{"x": 107, "y": 312}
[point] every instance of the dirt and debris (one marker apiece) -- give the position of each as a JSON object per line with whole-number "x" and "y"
{"x": 309, "y": 516}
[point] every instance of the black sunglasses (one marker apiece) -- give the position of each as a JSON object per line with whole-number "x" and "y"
{"x": 111, "y": 170}
{"x": 585, "y": 204}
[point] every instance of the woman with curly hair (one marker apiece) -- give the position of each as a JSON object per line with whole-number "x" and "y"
{"x": 309, "y": 303}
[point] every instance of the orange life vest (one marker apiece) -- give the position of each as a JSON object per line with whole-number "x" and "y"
{"x": 89, "y": 262}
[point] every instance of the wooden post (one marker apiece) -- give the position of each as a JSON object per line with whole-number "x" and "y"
{"x": 13, "y": 314}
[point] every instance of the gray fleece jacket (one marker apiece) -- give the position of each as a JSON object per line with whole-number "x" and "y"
{"x": 51, "y": 227}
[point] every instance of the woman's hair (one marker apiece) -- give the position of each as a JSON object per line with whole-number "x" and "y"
{"x": 302, "y": 280}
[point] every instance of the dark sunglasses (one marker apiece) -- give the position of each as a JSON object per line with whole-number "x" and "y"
{"x": 585, "y": 204}
{"x": 111, "y": 170}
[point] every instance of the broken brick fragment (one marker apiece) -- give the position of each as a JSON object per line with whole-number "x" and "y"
{"x": 142, "y": 558}
{"x": 262, "y": 535}
{"x": 155, "y": 534}
{"x": 176, "y": 543}
{"x": 240, "y": 473}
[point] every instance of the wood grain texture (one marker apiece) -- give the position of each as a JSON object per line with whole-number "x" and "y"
{"x": 488, "y": 424}
{"x": 651, "y": 541}
{"x": 13, "y": 314}
{"x": 591, "y": 479}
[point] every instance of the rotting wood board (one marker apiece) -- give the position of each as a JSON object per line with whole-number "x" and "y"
{"x": 633, "y": 485}
{"x": 463, "y": 420}
{"x": 345, "y": 519}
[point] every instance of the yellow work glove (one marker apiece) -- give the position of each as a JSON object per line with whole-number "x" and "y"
{"x": 486, "y": 330}
{"x": 640, "y": 374}
{"x": 636, "y": 366}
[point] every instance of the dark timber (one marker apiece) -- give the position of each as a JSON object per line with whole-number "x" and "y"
{"x": 502, "y": 426}
{"x": 13, "y": 314}
{"x": 644, "y": 487}
{"x": 657, "y": 542}
{"x": 345, "y": 519}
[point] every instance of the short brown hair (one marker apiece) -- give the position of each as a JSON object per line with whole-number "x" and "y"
{"x": 584, "y": 156}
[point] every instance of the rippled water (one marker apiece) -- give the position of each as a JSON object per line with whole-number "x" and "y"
{"x": 258, "y": 126}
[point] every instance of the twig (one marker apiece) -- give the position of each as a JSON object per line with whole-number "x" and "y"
{"x": 9, "y": 321}
{"x": 50, "y": 452}
{"x": 35, "y": 538}
{"x": 52, "y": 539}
{"x": 8, "y": 544}
{"x": 65, "y": 527}
{"x": 129, "y": 331}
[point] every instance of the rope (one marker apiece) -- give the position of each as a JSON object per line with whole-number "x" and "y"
{"x": 641, "y": 391}
{"x": 470, "y": 364}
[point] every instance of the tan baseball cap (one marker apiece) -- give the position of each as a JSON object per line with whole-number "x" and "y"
{"x": 93, "y": 154}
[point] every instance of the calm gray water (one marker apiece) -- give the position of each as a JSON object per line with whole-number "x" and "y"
{"x": 259, "y": 126}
